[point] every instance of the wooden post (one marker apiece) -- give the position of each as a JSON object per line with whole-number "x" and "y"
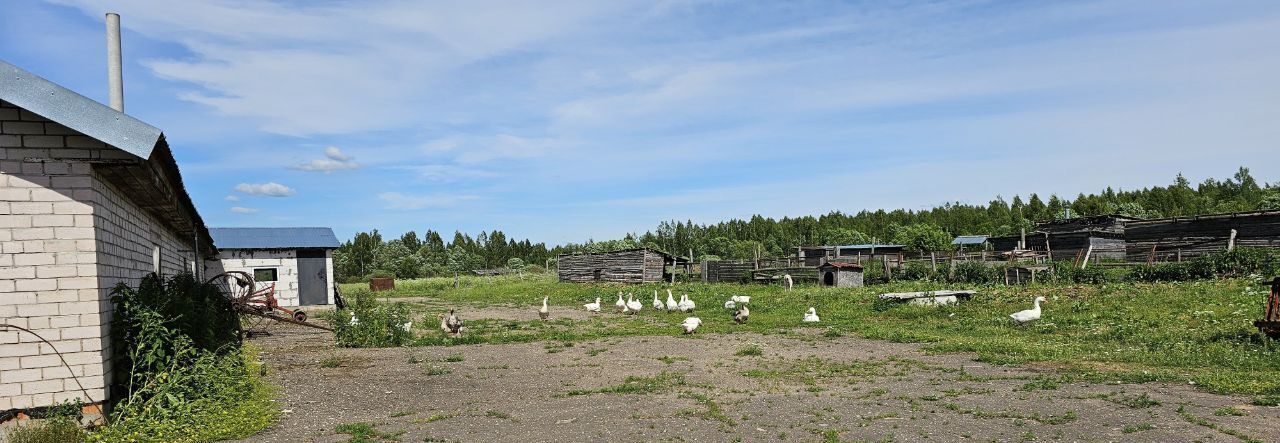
{"x": 933, "y": 262}
{"x": 1151, "y": 258}
{"x": 1047, "y": 249}
{"x": 1179, "y": 255}
{"x": 1231, "y": 242}
{"x": 884, "y": 260}
{"x": 1087, "y": 252}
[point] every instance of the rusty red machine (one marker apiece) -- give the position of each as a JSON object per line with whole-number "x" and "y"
{"x": 1270, "y": 323}
{"x": 257, "y": 306}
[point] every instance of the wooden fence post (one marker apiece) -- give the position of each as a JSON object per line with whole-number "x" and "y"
{"x": 1231, "y": 242}
{"x": 933, "y": 262}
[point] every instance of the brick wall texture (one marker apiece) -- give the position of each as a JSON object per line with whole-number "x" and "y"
{"x": 67, "y": 236}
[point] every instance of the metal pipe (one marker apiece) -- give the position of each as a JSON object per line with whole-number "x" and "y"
{"x": 115, "y": 77}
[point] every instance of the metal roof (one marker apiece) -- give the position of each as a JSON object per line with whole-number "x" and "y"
{"x": 969, "y": 240}
{"x": 870, "y": 246}
{"x": 273, "y": 238}
{"x": 49, "y": 100}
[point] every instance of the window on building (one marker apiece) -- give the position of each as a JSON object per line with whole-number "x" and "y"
{"x": 264, "y": 274}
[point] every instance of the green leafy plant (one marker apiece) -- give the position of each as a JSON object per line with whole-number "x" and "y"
{"x": 368, "y": 323}
{"x": 183, "y": 376}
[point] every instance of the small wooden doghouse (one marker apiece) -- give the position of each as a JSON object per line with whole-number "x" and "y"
{"x": 640, "y": 265}
{"x": 840, "y": 274}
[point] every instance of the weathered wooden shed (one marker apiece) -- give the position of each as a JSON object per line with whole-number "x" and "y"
{"x": 1168, "y": 239}
{"x": 1068, "y": 238}
{"x": 640, "y": 265}
{"x": 840, "y": 274}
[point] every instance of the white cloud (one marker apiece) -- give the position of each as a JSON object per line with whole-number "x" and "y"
{"x": 269, "y": 189}
{"x": 244, "y": 210}
{"x": 334, "y": 160}
{"x": 396, "y": 200}
{"x": 231, "y": 198}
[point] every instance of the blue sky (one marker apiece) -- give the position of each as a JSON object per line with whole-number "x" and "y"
{"x": 566, "y": 120}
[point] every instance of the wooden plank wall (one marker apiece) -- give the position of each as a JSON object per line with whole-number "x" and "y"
{"x": 635, "y": 266}
{"x": 1194, "y": 236}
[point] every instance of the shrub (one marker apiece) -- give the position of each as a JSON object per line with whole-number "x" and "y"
{"x": 181, "y": 377}
{"x": 1238, "y": 262}
{"x": 917, "y": 271}
{"x": 367, "y": 323}
{"x": 977, "y": 272}
{"x": 1067, "y": 272}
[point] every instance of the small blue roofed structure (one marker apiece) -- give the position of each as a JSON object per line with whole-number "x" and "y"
{"x": 274, "y": 238}
{"x": 296, "y": 262}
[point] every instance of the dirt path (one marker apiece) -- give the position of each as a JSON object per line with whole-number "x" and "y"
{"x": 803, "y": 387}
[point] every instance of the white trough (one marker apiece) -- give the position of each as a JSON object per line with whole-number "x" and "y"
{"x": 929, "y": 298}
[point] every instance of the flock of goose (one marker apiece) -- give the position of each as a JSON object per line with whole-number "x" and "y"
{"x": 630, "y": 306}
{"x": 451, "y": 324}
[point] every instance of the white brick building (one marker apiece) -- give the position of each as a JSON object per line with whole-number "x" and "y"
{"x": 298, "y": 261}
{"x": 89, "y": 197}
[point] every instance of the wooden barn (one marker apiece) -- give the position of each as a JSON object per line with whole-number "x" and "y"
{"x": 1175, "y": 238}
{"x": 1068, "y": 238}
{"x": 641, "y": 265}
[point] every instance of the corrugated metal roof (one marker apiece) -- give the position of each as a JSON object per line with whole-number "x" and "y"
{"x": 273, "y": 238}
{"x": 841, "y": 264}
{"x": 969, "y": 240}
{"x": 75, "y": 111}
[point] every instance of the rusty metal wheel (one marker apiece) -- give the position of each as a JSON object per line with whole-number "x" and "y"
{"x": 237, "y": 286}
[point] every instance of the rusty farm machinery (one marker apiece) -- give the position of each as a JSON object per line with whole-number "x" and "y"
{"x": 256, "y": 305}
{"x": 1270, "y": 323}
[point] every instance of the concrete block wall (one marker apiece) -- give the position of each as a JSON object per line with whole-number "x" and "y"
{"x": 66, "y": 238}
{"x": 285, "y": 261}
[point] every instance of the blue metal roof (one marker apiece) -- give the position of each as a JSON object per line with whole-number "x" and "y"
{"x": 969, "y": 240}
{"x": 273, "y": 238}
{"x": 49, "y": 100}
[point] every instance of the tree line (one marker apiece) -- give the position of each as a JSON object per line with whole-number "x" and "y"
{"x": 928, "y": 230}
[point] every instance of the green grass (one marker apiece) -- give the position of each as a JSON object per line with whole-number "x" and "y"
{"x": 662, "y": 382}
{"x": 1129, "y": 332}
{"x": 366, "y": 433}
{"x": 454, "y": 358}
{"x": 749, "y": 351}
{"x": 436, "y": 370}
{"x": 1191, "y": 418}
{"x": 1129, "y": 429}
{"x": 331, "y": 361}
{"x": 1230, "y": 412}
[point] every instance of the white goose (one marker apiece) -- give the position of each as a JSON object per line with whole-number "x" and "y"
{"x": 657, "y": 304}
{"x": 593, "y": 307}
{"x": 741, "y": 298}
{"x": 634, "y": 305}
{"x": 619, "y": 305}
{"x": 686, "y": 303}
{"x": 545, "y": 312}
{"x": 811, "y": 316}
{"x": 1028, "y": 315}
{"x": 408, "y": 326}
{"x": 690, "y": 324}
{"x": 730, "y": 304}
{"x": 671, "y": 302}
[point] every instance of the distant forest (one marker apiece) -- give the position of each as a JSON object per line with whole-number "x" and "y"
{"x": 412, "y": 256}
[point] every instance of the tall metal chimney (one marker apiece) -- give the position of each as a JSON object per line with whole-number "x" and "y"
{"x": 115, "y": 78}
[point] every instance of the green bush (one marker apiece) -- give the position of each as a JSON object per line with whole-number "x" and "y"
{"x": 1067, "y": 272}
{"x": 367, "y": 323}
{"x": 181, "y": 377}
{"x": 1238, "y": 262}
{"x": 917, "y": 270}
{"x": 977, "y": 272}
